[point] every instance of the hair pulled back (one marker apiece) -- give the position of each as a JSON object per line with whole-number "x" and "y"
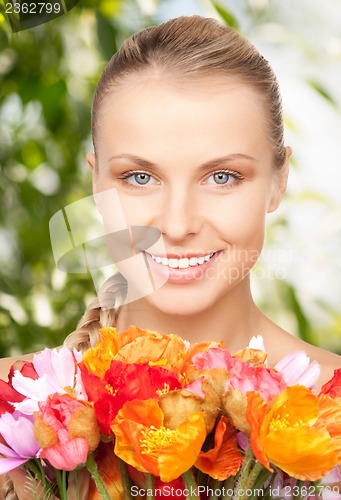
{"x": 193, "y": 47}
{"x": 186, "y": 48}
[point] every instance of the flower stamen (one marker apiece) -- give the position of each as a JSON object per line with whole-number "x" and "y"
{"x": 282, "y": 422}
{"x": 165, "y": 390}
{"x": 155, "y": 439}
{"x": 110, "y": 389}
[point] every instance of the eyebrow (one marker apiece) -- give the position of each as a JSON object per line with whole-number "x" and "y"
{"x": 141, "y": 162}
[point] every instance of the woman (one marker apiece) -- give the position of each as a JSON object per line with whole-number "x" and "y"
{"x": 187, "y": 129}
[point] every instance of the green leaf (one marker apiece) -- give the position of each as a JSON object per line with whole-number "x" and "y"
{"x": 226, "y": 15}
{"x": 322, "y": 91}
{"x": 106, "y": 36}
{"x": 304, "y": 327}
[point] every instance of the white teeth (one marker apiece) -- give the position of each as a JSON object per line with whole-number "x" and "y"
{"x": 174, "y": 263}
{"x": 182, "y": 263}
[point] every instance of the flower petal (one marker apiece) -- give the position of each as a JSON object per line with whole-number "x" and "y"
{"x": 255, "y": 415}
{"x": 257, "y": 343}
{"x": 224, "y": 459}
{"x": 216, "y": 357}
{"x": 134, "y": 417}
{"x": 37, "y": 390}
{"x": 297, "y": 369}
{"x": 7, "y": 464}
{"x": 176, "y": 459}
{"x": 68, "y": 455}
{"x": 18, "y": 434}
{"x": 7, "y": 451}
{"x": 333, "y": 386}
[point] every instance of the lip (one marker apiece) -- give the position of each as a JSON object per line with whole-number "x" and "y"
{"x": 182, "y": 276}
{"x": 183, "y": 256}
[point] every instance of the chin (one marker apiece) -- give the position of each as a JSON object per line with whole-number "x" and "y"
{"x": 180, "y": 302}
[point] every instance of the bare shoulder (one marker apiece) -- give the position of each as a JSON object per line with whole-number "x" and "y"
{"x": 279, "y": 342}
{"x": 6, "y": 363}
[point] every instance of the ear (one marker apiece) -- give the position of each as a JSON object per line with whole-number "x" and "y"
{"x": 91, "y": 159}
{"x": 280, "y": 182}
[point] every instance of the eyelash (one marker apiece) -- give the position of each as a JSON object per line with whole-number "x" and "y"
{"x": 130, "y": 173}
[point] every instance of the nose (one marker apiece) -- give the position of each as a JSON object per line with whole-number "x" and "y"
{"x": 180, "y": 215}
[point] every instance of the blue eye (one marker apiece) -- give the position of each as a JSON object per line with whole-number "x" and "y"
{"x": 141, "y": 178}
{"x": 137, "y": 179}
{"x": 222, "y": 178}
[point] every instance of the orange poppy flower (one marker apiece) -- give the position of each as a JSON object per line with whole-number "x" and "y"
{"x": 144, "y": 442}
{"x": 330, "y": 414}
{"x": 97, "y": 359}
{"x": 146, "y": 346}
{"x": 291, "y": 434}
{"x": 224, "y": 460}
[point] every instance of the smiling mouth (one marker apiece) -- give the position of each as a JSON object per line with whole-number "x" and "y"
{"x": 183, "y": 263}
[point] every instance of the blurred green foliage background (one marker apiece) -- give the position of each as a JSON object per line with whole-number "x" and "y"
{"x": 47, "y": 78}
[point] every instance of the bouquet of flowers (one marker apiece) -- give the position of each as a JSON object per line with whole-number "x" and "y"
{"x": 151, "y": 416}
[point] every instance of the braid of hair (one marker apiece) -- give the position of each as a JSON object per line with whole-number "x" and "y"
{"x": 101, "y": 312}
{"x": 7, "y": 489}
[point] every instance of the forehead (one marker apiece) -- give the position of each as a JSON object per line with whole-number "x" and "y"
{"x": 190, "y": 119}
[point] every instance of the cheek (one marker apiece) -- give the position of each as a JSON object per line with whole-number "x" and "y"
{"x": 240, "y": 219}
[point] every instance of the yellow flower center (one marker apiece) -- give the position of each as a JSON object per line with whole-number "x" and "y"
{"x": 110, "y": 389}
{"x": 281, "y": 422}
{"x": 156, "y": 439}
{"x": 166, "y": 388}
{"x": 69, "y": 390}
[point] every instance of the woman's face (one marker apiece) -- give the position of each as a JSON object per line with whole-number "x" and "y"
{"x": 194, "y": 161}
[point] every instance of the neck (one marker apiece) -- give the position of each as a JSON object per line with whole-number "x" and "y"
{"x": 234, "y": 318}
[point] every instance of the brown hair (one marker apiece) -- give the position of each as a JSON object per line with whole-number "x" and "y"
{"x": 185, "y": 48}
{"x": 193, "y": 47}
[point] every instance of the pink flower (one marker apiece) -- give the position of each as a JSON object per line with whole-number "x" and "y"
{"x": 243, "y": 375}
{"x": 296, "y": 369}
{"x": 66, "y": 430}
{"x": 17, "y": 431}
{"x": 56, "y": 371}
{"x": 216, "y": 357}
{"x": 196, "y": 387}
{"x": 248, "y": 378}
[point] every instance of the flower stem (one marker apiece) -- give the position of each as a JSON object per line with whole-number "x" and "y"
{"x": 61, "y": 483}
{"x": 92, "y": 468}
{"x": 150, "y": 486}
{"x": 190, "y": 484}
{"x": 253, "y": 475}
{"x": 228, "y": 486}
{"x": 215, "y": 485}
{"x": 125, "y": 481}
{"x": 77, "y": 485}
{"x": 243, "y": 474}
